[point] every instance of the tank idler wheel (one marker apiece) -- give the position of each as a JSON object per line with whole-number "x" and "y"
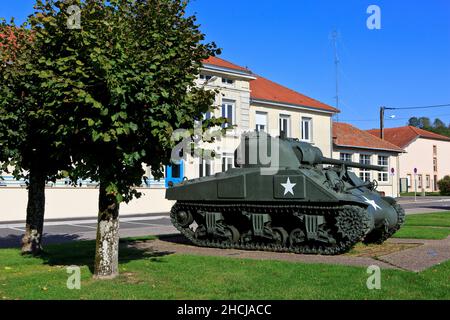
{"x": 232, "y": 233}
{"x": 280, "y": 235}
{"x": 184, "y": 218}
{"x": 297, "y": 236}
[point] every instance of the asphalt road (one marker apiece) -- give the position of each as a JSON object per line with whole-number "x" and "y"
{"x": 159, "y": 224}
{"x": 425, "y": 204}
{"x": 85, "y": 229}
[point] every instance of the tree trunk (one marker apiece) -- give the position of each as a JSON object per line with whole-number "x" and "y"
{"x": 107, "y": 248}
{"x": 32, "y": 240}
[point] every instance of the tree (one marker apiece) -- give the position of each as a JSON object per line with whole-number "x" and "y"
{"x": 424, "y": 123}
{"x": 444, "y": 186}
{"x": 29, "y": 115}
{"x": 133, "y": 66}
{"x": 413, "y": 121}
{"x": 438, "y": 123}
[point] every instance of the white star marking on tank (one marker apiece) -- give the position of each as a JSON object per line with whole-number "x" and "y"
{"x": 288, "y": 187}
{"x": 372, "y": 203}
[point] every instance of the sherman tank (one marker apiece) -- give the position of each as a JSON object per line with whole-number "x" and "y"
{"x": 305, "y": 203}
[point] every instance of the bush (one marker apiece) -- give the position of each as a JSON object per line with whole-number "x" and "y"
{"x": 444, "y": 186}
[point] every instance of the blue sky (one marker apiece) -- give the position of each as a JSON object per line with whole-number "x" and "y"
{"x": 406, "y": 63}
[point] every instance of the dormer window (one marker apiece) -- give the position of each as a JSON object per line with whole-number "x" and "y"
{"x": 205, "y": 77}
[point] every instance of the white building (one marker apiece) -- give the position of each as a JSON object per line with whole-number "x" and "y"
{"x": 425, "y": 151}
{"x": 355, "y": 145}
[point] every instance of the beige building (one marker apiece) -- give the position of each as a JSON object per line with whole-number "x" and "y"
{"x": 425, "y": 151}
{"x": 355, "y": 145}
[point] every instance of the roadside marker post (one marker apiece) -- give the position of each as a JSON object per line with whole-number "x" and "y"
{"x": 392, "y": 174}
{"x": 415, "y": 184}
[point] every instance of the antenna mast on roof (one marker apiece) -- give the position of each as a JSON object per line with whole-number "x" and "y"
{"x": 334, "y": 37}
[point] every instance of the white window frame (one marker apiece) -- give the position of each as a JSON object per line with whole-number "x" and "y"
{"x": 288, "y": 123}
{"x": 205, "y": 77}
{"x": 383, "y": 176}
{"x": 364, "y": 174}
{"x": 304, "y": 121}
{"x": 228, "y": 82}
{"x": 259, "y": 115}
{"x": 203, "y": 163}
{"x": 428, "y": 181}
{"x": 343, "y": 156}
{"x": 227, "y": 159}
{"x": 233, "y": 111}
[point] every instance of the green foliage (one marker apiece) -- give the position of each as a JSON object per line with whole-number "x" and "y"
{"x": 110, "y": 94}
{"x": 444, "y": 186}
{"x": 438, "y": 126}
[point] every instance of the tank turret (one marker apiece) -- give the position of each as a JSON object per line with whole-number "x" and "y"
{"x": 284, "y": 195}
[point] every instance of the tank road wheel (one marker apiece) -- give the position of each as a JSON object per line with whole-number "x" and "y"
{"x": 296, "y": 237}
{"x": 184, "y": 218}
{"x": 232, "y": 234}
{"x": 280, "y": 236}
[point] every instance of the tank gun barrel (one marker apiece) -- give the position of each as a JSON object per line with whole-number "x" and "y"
{"x": 325, "y": 160}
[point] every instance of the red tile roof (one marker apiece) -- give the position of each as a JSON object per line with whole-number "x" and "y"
{"x": 345, "y": 134}
{"x": 264, "y": 89}
{"x": 403, "y": 136}
{"x": 224, "y": 64}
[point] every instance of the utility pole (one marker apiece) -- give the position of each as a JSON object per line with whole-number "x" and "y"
{"x": 336, "y": 64}
{"x": 382, "y": 122}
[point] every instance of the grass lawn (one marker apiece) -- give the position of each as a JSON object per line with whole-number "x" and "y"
{"x": 425, "y": 226}
{"x": 167, "y": 276}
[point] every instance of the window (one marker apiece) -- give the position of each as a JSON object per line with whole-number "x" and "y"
{"x": 434, "y": 150}
{"x": 228, "y": 113}
{"x": 306, "y": 128}
{"x": 363, "y": 173}
{"x": 409, "y": 178}
{"x": 435, "y": 168}
{"x": 285, "y": 126}
{"x": 420, "y": 181}
{"x": 207, "y": 115}
{"x": 383, "y": 161}
{"x": 428, "y": 181}
{"x": 204, "y": 168}
{"x": 346, "y": 157}
{"x": 261, "y": 121}
{"x": 205, "y": 77}
{"x": 227, "y": 161}
{"x": 227, "y": 81}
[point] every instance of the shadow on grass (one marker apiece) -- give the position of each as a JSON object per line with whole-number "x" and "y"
{"x": 175, "y": 238}
{"x": 82, "y": 253}
{"x": 15, "y": 240}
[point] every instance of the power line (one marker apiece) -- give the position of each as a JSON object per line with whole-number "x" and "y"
{"x": 422, "y": 107}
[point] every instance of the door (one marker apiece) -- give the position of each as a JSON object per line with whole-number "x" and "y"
{"x": 174, "y": 173}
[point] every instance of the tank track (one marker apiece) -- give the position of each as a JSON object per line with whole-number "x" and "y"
{"x": 351, "y": 224}
{"x": 378, "y": 236}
